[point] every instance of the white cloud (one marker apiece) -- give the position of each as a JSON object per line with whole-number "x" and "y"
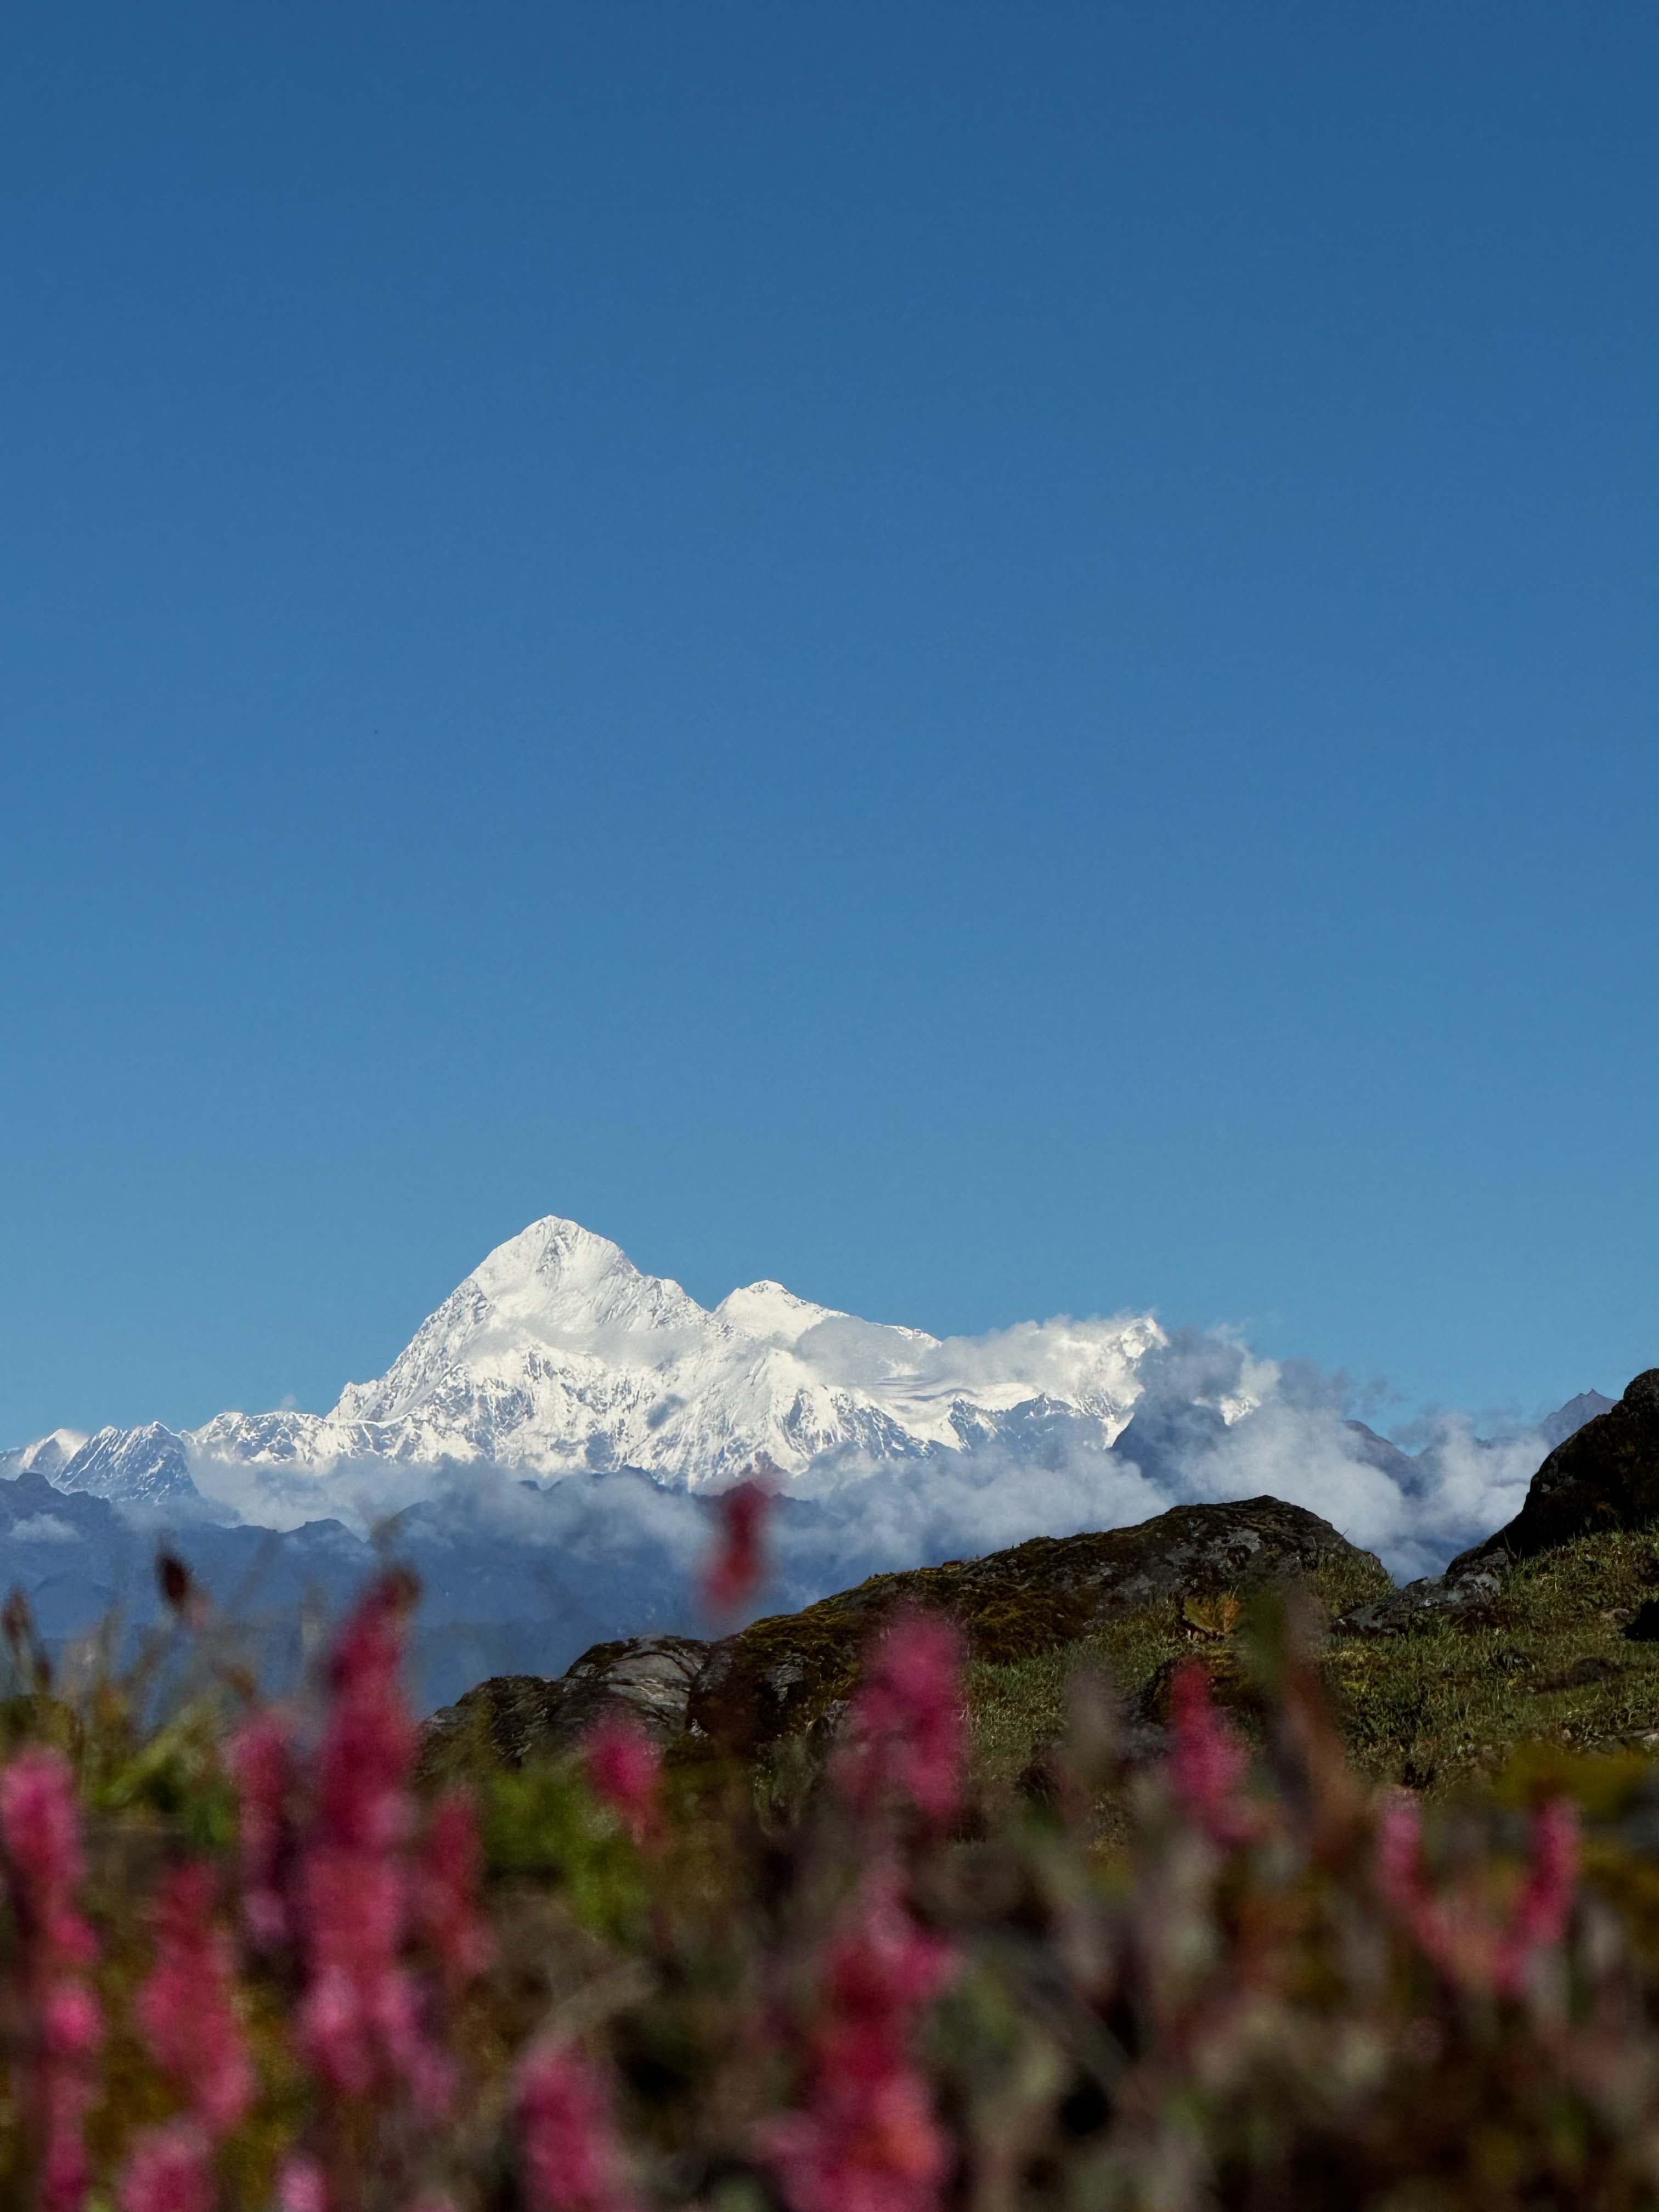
{"x": 1212, "y": 1422}
{"x": 43, "y": 1528}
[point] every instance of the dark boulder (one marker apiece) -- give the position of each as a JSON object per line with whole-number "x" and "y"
{"x": 1604, "y": 1476}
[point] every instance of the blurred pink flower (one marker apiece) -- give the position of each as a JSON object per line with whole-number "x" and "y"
{"x": 1451, "y": 1932}
{"x": 367, "y": 1751}
{"x": 906, "y": 1738}
{"x": 1207, "y": 1763}
{"x": 624, "y": 1770}
{"x": 40, "y": 1827}
{"x": 1545, "y": 1904}
{"x": 301, "y": 2186}
{"x": 446, "y": 1884}
{"x": 883, "y": 1966}
{"x": 169, "y": 2170}
{"x": 863, "y": 2147}
{"x": 738, "y": 1565}
{"x": 360, "y": 2018}
{"x": 865, "y": 2139}
{"x": 262, "y": 1763}
{"x": 567, "y": 2137}
{"x": 187, "y": 2007}
{"x": 72, "y": 2024}
{"x": 40, "y": 1831}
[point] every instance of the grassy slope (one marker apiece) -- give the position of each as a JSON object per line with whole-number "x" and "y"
{"x": 1549, "y": 1664}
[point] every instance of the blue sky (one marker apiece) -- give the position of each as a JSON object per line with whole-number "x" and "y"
{"x": 992, "y": 659}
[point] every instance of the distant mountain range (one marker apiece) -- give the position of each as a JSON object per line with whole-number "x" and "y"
{"x": 543, "y": 1452}
{"x": 559, "y": 1355}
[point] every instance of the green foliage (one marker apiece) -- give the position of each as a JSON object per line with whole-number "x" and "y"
{"x": 1547, "y": 1662}
{"x": 540, "y": 1823}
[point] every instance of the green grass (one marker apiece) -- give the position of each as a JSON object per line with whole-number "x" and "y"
{"x": 1550, "y": 1665}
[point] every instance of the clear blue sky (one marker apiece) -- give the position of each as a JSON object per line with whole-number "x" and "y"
{"x": 993, "y": 659}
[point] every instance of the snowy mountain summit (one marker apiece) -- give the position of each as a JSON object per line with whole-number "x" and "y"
{"x": 557, "y": 1355}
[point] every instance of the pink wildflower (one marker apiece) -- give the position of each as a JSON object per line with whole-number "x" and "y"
{"x": 187, "y": 2010}
{"x": 866, "y": 2140}
{"x": 262, "y": 1762}
{"x": 884, "y": 1966}
{"x": 446, "y": 1891}
{"x": 906, "y": 1739}
{"x": 1461, "y": 1941}
{"x": 169, "y": 2170}
{"x": 624, "y": 1770}
{"x": 738, "y": 1567}
{"x": 1545, "y": 1904}
{"x": 40, "y": 1830}
{"x": 1206, "y": 1761}
{"x": 359, "y": 2017}
{"x": 41, "y": 1826}
{"x": 301, "y": 2186}
{"x": 567, "y": 2138}
{"x": 863, "y": 2147}
{"x": 367, "y": 1751}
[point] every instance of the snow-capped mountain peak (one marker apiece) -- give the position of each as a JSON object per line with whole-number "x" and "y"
{"x": 556, "y": 1353}
{"x": 48, "y": 1454}
{"x": 556, "y": 1291}
{"x": 561, "y": 1278}
{"x": 148, "y": 1466}
{"x": 766, "y": 1311}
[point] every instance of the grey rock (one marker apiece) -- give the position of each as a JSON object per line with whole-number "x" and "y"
{"x": 513, "y": 1718}
{"x": 1465, "y": 1599}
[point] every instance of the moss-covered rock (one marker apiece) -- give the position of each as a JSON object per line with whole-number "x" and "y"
{"x": 781, "y": 1675}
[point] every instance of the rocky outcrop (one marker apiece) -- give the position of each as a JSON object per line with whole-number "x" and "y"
{"x": 1465, "y": 1599}
{"x": 782, "y": 1675}
{"x": 1604, "y": 1476}
{"x": 515, "y": 1718}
